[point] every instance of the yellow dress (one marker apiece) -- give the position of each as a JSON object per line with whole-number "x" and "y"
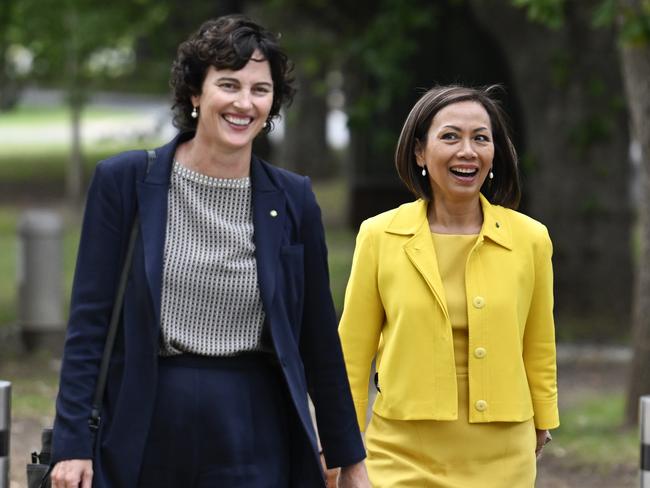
{"x": 456, "y": 453}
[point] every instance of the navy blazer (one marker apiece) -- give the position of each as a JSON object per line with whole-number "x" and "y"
{"x": 294, "y": 284}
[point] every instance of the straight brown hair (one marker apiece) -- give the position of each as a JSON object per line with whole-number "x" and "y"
{"x": 504, "y": 189}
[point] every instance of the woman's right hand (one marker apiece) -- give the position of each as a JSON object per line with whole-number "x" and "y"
{"x": 73, "y": 473}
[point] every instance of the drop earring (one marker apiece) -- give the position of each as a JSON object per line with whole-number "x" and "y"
{"x": 424, "y": 171}
{"x": 195, "y": 113}
{"x": 491, "y": 175}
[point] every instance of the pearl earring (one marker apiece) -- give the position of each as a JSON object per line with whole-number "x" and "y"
{"x": 491, "y": 175}
{"x": 266, "y": 124}
{"x": 195, "y": 113}
{"x": 424, "y": 171}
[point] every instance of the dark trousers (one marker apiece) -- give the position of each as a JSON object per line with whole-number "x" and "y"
{"x": 220, "y": 422}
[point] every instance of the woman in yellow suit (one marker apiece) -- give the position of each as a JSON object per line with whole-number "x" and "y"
{"x": 453, "y": 294}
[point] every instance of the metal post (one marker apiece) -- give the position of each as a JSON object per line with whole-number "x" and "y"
{"x": 40, "y": 279}
{"x": 644, "y": 423}
{"x": 5, "y": 423}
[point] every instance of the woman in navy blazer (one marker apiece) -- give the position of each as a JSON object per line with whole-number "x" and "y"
{"x": 229, "y": 80}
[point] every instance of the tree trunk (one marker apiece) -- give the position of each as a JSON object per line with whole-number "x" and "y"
{"x": 74, "y": 176}
{"x": 305, "y": 148}
{"x": 575, "y": 160}
{"x": 75, "y": 99}
{"x": 8, "y": 86}
{"x": 635, "y": 60}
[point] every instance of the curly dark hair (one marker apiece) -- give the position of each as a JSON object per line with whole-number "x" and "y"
{"x": 227, "y": 42}
{"x": 505, "y": 188}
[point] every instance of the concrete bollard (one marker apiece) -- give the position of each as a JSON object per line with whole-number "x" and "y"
{"x": 5, "y": 424}
{"x": 644, "y": 424}
{"x": 40, "y": 279}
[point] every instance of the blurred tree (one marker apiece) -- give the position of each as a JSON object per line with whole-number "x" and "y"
{"x": 632, "y": 18}
{"x": 387, "y": 52}
{"x": 74, "y": 43}
{"x": 577, "y": 140}
{"x": 8, "y": 84}
{"x": 156, "y": 48}
{"x": 309, "y": 36}
{"x": 370, "y": 43}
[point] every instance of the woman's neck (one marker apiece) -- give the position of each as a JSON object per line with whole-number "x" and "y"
{"x": 463, "y": 217}
{"x": 208, "y": 159}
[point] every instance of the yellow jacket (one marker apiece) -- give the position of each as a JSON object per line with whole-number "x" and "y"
{"x": 395, "y": 307}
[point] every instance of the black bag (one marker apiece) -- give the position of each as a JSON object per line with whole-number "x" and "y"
{"x": 38, "y": 471}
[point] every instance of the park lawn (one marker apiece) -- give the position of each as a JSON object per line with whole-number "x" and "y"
{"x": 31, "y": 116}
{"x": 591, "y": 433}
{"x": 8, "y": 265}
{"x": 46, "y": 163}
{"x": 45, "y": 160}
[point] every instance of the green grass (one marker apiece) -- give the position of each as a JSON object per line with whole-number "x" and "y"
{"x": 34, "y": 398}
{"x": 8, "y": 256}
{"x": 591, "y": 433}
{"x": 22, "y": 163}
{"x": 34, "y": 382}
{"x": 45, "y": 164}
{"x": 332, "y": 198}
{"x": 29, "y": 115}
{"x": 340, "y": 243}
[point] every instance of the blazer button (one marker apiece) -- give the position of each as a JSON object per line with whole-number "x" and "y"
{"x": 479, "y": 302}
{"x": 480, "y": 352}
{"x": 481, "y": 405}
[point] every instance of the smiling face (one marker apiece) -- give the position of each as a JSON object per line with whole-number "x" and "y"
{"x": 234, "y": 105}
{"x": 457, "y": 151}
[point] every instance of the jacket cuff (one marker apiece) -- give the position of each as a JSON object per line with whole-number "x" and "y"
{"x": 546, "y": 415}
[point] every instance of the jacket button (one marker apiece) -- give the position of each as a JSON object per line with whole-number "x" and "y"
{"x": 479, "y": 302}
{"x": 481, "y": 405}
{"x": 480, "y": 352}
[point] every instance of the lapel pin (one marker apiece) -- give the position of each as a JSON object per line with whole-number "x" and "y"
{"x": 273, "y": 213}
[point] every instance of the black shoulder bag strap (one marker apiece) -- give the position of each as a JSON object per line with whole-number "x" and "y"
{"x": 95, "y": 414}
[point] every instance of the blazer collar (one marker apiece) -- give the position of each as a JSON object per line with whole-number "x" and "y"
{"x": 411, "y": 219}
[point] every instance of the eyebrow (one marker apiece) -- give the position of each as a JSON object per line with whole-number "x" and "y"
{"x": 478, "y": 129}
{"x": 235, "y": 80}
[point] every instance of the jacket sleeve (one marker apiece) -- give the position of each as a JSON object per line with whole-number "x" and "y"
{"x": 321, "y": 349}
{"x": 362, "y": 320}
{"x": 539, "y": 340}
{"x": 93, "y": 291}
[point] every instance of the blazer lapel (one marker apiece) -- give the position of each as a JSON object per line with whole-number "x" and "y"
{"x": 421, "y": 251}
{"x": 152, "y": 207}
{"x": 411, "y": 220}
{"x": 269, "y": 219}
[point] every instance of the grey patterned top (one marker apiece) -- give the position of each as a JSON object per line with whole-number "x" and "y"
{"x": 211, "y": 302}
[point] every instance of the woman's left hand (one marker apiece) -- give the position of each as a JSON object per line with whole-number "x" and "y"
{"x": 354, "y": 476}
{"x": 543, "y": 438}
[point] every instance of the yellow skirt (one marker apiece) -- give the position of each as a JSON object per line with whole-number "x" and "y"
{"x": 451, "y": 454}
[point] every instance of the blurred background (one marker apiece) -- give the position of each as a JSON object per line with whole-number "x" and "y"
{"x": 82, "y": 79}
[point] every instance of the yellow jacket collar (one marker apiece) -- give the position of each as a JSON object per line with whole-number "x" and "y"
{"x": 411, "y": 219}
